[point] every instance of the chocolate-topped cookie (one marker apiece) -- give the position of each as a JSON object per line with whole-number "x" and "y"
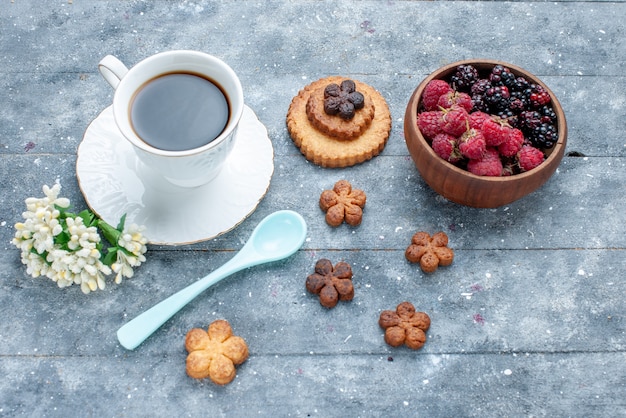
{"x": 321, "y": 123}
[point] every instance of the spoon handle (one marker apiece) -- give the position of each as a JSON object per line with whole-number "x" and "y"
{"x": 134, "y": 332}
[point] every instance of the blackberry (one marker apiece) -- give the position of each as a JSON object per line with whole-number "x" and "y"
{"x": 540, "y": 134}
{"x": 480, "y": 86}
{"x": 543, "y": 136}
{"x": 521, "y": 101}
{"x": 548, "y": 115}
{"x": 538, "y": 96}
{"x": 464, "y": 78}
{"x": 513, "y": 120}
{"x": 508, "y": 114}
{"x": 551, "y": 135}
{"x": 508, "y": 78}
{"x": 501, "y": 76}
{"x": 529, "y": 120}
{"x": 479, "y": 103}
{"x": 516, "y": 105}
{"x": 519, "y": 85}
{"x": 497, "y": 97}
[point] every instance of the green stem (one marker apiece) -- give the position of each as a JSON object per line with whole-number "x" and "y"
{"x": 111, "y": 234}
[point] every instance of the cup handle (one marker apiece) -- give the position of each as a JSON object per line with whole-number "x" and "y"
{"x": 112, "y": 69}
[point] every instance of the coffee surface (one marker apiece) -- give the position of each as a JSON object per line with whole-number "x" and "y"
{"x": 179, "y": 111}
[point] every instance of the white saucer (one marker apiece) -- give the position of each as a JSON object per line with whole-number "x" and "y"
{"x": 114, "y": 182}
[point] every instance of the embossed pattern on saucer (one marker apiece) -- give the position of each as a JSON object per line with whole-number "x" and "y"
{"x": 114, "y": 182}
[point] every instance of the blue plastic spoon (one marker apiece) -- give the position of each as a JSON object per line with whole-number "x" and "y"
{"x": 278, "y": 236}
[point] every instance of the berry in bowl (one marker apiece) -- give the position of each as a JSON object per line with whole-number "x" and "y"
{"x": 484, "y": 133}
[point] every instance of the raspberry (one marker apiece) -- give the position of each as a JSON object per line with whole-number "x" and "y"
{"x": 512, "y": 144}
{"x": 529, "y": 157}
{"x": 489, "y": 165}
{"x": 476, "y": 119}
{"x": 495, "y": 131}
{"x": 456, "y": 98}
{"x": 472, "y": 144}
{"x": 430, "y": 123}
{"x": 455, "y": 121}
{"x": 433, "y": 91}
{"x": 444, "y": 146}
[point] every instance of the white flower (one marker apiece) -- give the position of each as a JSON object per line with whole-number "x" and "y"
{"x": 81, "y": 236}
{"x": 52, "y": 199}
{"x": 60, "y": 246}
{"x": 123, "y": 266}
{"x": 41, "y": 223}
{"x": 133, "y": 241}
{"x": 35, "y": 265}
{"x": 82, "y": 264}
{"x": 82, "y": 267}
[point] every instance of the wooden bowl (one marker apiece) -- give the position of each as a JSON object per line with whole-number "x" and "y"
{"x": 461, "y": 186}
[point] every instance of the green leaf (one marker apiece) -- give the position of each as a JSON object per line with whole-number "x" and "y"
{"x": 63, "y": 238}
{"x": 125, "y": 251}
{"x": 111, "y": 256}
{"x": 63, "y": 211}
{"x": 120, "y": 225}
{"x": 89, "y": 218}
{"x": 111, "y": 234}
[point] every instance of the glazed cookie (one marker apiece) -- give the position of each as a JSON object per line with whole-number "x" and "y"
{"x": 339, "y": 122}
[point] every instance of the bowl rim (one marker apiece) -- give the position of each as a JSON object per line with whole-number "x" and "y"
{"x": 552, "y": 155}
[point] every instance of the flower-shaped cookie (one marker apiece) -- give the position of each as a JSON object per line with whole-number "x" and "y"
{"x": 430, "y": 252}
{"x": 343, "y": 203}
{"x": 215, "y": 353}
{"x": 331, "y": 283}
{"x": 405, "y": 326}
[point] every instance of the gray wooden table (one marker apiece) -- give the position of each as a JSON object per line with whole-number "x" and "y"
{"x": 528, "y": 321}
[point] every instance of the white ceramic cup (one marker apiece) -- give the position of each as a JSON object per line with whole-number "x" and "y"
{"x": 188, "y": 168}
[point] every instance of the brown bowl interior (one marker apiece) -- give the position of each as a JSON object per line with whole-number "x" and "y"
{"x": 461, "y": 186}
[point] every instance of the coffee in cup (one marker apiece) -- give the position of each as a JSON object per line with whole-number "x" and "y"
{"x": 180, "y": 111}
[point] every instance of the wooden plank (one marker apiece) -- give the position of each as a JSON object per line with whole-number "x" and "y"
{"x": 320, "y": 37}
{"x": 564, "y": 213}
{"x": 488, "y": 301}
{"x": 307, "y": 385}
